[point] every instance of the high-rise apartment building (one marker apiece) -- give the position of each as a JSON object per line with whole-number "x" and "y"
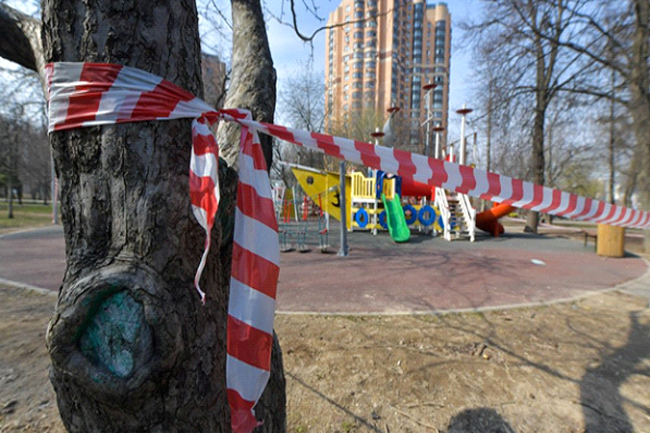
{"x": 381, "y": 54}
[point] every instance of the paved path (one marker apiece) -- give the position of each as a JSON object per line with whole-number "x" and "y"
{"x": 427, "y": 274}
{"x": 33, "y": 257}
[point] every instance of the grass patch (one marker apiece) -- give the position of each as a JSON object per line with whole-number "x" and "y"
{"x": 25, "y": 215}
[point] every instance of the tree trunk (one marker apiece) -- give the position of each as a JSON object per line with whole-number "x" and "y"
{"x": 10, "y": 204}
{"x": 21, "y": 39}
{"x": 253, "y": 77}
{"x": 537, "y": 163}
{"x": 532, "y": 220}
{"x": 639, "y": 105}
{"x": 132, "y": 348}
{"x": 544, "y": 63}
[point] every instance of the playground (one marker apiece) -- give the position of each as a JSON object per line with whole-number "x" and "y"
{"x": 428, "y": 325}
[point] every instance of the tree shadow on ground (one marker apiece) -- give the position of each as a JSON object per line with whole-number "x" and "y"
{"x": 361, "y": 420}
{"x": 600, "y": 387}
{"x": 480, "y": 420}
{"x": 601, "y": 398}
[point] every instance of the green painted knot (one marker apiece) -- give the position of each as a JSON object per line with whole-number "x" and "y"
{"x": 117, "y": 336}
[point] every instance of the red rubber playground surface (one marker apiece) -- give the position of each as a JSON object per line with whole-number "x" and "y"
{"x": 426, "y": 274}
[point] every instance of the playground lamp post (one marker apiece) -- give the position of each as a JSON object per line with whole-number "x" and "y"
{"x": 438, "y": 129}
{"x": 392, "y": 109}
{"x": 343, "y": 248}
{"x": 427, "y": 123}
{"x": 463, "y": 146}
{"x": 376, "y": 135}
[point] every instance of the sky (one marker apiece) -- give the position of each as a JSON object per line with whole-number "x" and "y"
{"x": 290, "y": 54}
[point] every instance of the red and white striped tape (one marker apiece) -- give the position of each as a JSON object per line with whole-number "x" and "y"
{"x": 87, "y": 94}
{"x": 253, "y": 283}
{"x": 461, "y": 178}
{"x": 91, "y": 94}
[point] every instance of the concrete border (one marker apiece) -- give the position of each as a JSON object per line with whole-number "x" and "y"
{"x": 17, "y": 285}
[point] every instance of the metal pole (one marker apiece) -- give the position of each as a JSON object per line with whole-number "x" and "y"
{"x": 343, "y": 249}
{"x": 55, "y": 202}
{"x": 461, "y": 156}
{"x": 436, "y": 153}
{"x": 428, "y": 101}
{"x": 427, "y": 126}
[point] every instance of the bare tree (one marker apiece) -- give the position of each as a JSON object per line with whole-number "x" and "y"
{"x": 132, "y": 245}
{"x": 523, "y": 39}
{"x": 302, "y": 106}
{"x": 616, "y": 37}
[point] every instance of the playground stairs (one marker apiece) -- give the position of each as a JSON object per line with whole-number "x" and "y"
{"x": 458, "y": 215}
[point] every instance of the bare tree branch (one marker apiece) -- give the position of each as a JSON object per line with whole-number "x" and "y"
{"x": 21, "y": 39}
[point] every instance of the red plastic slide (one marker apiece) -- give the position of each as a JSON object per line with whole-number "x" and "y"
{"x": 488, "y": 220}
{"x": 417, "y": 189}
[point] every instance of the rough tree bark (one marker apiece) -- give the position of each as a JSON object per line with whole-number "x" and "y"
{"x": 545, "y": 63}
{"x": 132, "y": 348}
{"x": 639, "y": 104}
{"x": 253, "y": 87}
{"x": 21, "y": 39}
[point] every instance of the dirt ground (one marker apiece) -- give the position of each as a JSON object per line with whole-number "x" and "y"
{"x": 574, "y": 367}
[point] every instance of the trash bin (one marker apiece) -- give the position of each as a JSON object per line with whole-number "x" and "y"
{"x": 611, "y": 241}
